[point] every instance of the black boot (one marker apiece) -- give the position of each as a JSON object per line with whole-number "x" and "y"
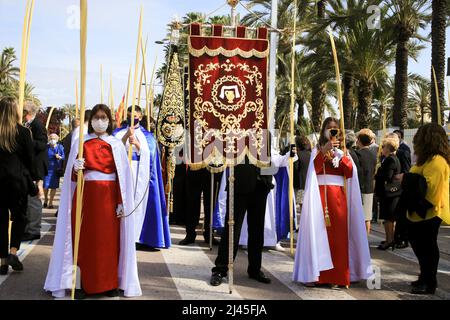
{"x": 14, "y": 262}
{"x": 80, "y": 294}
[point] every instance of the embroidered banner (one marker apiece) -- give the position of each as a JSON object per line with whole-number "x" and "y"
{"x": 228, "y": 97}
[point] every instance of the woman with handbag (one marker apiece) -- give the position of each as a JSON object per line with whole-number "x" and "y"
{"x": 432, "y": 150}
{"x": 16, "y": 182}
{"x": 387, "y": 189}
{"x": 55, "y": 152}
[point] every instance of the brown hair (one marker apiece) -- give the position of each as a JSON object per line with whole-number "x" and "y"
{"x": 97, "y": 108}
{"x": 9, "y": 119}
{"x": 322, "y": 139}
{"x": 429, "y": 141}
{"x": 302, "y": 143}
{"x": 365, "y": 137}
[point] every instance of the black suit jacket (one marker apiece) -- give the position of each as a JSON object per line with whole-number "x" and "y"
{"x": 301, "y": 168}
{"x": 247, "y": 176}
{"x": 389, "y": 167}
{"x": 368, "y": 163}
{"x": 404, "y": 156}
{"x": 40, "y": 140}
{"x": 16, "y": 169}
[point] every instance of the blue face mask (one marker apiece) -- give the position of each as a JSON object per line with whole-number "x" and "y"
{"x": 136, "y": 122}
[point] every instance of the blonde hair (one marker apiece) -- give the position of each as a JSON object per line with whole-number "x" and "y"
{"x": 9, "y": 119}
{"x": 392, "y": 141}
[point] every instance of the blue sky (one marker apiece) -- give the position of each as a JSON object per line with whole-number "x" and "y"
{"x": 53, "y": 58}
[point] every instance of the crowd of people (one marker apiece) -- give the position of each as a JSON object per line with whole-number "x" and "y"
{"x": 340, "y": 189}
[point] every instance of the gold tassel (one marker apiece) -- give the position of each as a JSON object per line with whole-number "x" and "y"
{"x": 327, "y": 218}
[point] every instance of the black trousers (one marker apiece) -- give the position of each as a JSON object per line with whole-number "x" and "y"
{"x": 198, "y": 182}
{"x": 254, "y": 204}
{"x": 423, "y": 239}
{"x": 179, "y": 196}
{"x": 18, "y": 216}
{"x": 401, "y": 226}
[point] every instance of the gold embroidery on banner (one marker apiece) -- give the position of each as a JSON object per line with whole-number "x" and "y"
{"x": 227, "y": 53}
{"x": 170, "y": 124}
{"x": 230, "y": 88}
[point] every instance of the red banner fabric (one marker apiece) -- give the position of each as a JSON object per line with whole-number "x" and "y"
{"x": 228, "y": 98}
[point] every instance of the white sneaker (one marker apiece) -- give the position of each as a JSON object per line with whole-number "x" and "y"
{"x": 278, "y": 247}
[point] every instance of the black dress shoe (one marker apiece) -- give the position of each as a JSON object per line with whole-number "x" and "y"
{"x": 216, "y": 279}
{"x": 402, "y": 245}
{"x": 143, "y": 247}
{"x": 14, "y": 262}
{"x": 417, "y": 283}
{"x": 80, "y": 294}
{"x": 423, "y": 289}
{"x": 4, "y": 270}
{"x": 112, "y": 293}
{"x": 260, "y": 277}
{"x": 186, "y": 241}
{"x": 30, "y": 237}
{"x": 215, "y": 242}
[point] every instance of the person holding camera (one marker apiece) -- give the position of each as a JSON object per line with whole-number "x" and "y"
{"x": 332, "y": 246}
{"x": 387, "y": 189}
{"x": 16, "y": 182}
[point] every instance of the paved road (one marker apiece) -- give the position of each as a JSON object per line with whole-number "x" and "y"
{"x": 182, "y": 272}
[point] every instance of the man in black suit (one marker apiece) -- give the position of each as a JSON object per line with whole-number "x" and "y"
{"x": 198, "y": 182}
{"x": 401, "y": 227}
{"x": 251, "y": 188}
{"x": 39, "y": 135}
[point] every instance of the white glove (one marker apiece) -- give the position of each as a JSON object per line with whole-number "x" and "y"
{"x": 338, "y": 155}
{"x": 119, "y": 211}
{"x": 78, "y": 165}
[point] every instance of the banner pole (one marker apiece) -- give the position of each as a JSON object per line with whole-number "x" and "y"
{"x": 79, "y": 194}
{"x": 211, "y": 212}
{"x": 292, "y": 137}
{"x": 232, "y": 4}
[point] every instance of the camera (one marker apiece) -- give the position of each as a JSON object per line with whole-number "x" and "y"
{"x": 334, "y": 132}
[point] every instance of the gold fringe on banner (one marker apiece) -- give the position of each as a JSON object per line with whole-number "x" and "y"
{"x": 227, "y": 53}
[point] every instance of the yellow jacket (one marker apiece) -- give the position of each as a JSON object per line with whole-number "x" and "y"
{"x": 436, "y": 171}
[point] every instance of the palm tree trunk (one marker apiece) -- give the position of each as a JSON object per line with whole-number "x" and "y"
{"x": 422, "y": 110}
{"x": 318, "y": 103}
{"x": 400, "y": 115}
{"x": 318, "y": 87}
{"x": 321, "y": 8}
{"x": 438, "y": 25}
{"x": 300, "y": 111}
{"x": 365, "y": 94}
{"x": 348, "y": 84}
{"x": 382, "y": 106}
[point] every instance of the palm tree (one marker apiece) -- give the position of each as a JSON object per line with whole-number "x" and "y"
{"x": 420, "y": 99}
{"x": 8, "y": 72}
{"x": 370, "y": 55}
{"x": 12, "y": 90}
{"x": 438, "y": 26}
{"x": 302, "y": 74}
{"x": 407, "y": 17}
{"x": 344, "y": 17}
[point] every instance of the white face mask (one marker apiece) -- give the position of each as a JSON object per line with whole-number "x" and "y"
{"x": 53, "y": 142}
{"x": 100, "y": 126}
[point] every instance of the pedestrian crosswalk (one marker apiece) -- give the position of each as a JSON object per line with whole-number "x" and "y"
{"x": 183, "y": 272}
